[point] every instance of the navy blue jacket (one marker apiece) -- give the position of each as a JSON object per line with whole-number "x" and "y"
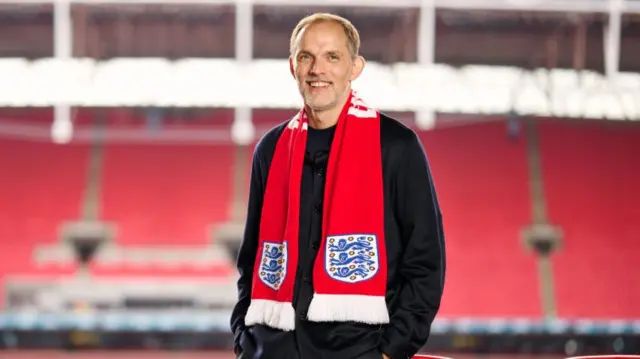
{"x": 415, "y": 250}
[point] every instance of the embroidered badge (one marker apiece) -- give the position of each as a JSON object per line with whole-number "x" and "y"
{"x": 273, "y": 264}
{"x": 352, "y": 258}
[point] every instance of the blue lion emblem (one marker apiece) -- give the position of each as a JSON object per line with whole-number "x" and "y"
{"x": 352, "y": 258}
{"x": 273, "y": 264}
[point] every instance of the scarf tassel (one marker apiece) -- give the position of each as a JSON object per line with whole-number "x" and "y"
{"x": 366, "y": 309}
{"x": 274, "y": 314}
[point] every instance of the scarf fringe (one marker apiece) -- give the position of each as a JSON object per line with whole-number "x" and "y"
{"x": 342, "y": 308}
{"x": 277, "y": 315}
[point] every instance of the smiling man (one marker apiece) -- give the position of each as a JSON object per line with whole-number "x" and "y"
{"x": 343, "y": 250}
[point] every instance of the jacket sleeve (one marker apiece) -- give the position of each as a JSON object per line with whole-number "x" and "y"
{"x": 423, "y": 264}
{"x": 248, "y": 248}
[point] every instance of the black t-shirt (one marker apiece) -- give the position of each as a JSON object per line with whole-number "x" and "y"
{"x": 319, "y": 141}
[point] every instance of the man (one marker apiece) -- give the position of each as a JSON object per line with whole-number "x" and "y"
{"x": 343, "y": 250}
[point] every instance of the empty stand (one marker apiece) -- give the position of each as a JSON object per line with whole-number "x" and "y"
{"x": 166, "y": 194}
{"x": 591, "y": 178}
{"x": 160, "y": 271}
{"x": 159, "y": 194}
{"x": 41, "y": 185}
{"x": 41, "y": 116}
{"x": 481, "y": 178}
{"x": 172, "y": 119}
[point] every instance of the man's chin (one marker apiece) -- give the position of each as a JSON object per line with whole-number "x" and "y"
{"x": 319, "y": 105}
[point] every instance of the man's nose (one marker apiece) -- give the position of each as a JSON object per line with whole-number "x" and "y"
{"x": 317, "y": 67}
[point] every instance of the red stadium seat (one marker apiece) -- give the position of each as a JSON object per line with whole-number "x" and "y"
{"x": 482, "y": 182}
{"x": 168, "y": 194}
{"x": 591, "y": 177}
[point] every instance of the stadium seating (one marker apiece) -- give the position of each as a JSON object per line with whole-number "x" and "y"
{"x": 39, "y": 116}
{"x": 481, "y": 178}
{"x": 41, "y": 185}
{"x": 145, "y": 191}
{"x": 172, "y": 119}
{"x": 168, "y": 194}
{"x": 591, "y": 177}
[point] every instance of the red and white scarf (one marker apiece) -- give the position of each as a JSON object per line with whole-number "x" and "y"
{"x": 350, "y": 271}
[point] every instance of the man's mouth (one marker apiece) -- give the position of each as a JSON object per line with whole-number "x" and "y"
{"x": 318, "y": 84}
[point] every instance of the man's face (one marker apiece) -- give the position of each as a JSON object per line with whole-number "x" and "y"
{"x": 323, "y": 66}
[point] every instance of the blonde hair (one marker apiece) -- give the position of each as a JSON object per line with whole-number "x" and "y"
{"x": 353, "y": 37}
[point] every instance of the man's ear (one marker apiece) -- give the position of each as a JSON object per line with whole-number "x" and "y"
{"x": 293, "y": 73}
{"x": 358, "y": 65}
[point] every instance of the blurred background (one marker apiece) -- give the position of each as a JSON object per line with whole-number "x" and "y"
{"x": 127, "y": 129}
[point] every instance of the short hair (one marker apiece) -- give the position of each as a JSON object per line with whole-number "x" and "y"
{"x": 353, "y": 37}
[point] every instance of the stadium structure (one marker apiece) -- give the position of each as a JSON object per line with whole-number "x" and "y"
{"x": 127, "y": 129}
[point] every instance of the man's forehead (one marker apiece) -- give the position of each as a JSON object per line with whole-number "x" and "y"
{"x": 323, "y": 37}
